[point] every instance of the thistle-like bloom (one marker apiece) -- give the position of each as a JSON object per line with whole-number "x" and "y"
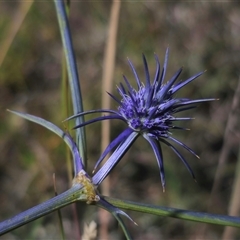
{"x": 149, "y": 111}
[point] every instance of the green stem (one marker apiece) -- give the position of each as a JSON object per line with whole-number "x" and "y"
{"x": 72, "y": 74}
{"x": 72, "y": 195}
{"x": 176, "y": 213}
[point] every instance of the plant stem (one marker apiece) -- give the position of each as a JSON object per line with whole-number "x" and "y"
{"x": 107, "y": 82}
{"x": 176, "y": 213}
{"x": 72, "y": 75}
{"x": 72, "y": 195}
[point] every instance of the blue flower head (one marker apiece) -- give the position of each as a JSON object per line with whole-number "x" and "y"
{"x": 149, "y": 111}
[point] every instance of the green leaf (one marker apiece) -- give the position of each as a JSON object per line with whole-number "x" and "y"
{"x": 66, "y": 137}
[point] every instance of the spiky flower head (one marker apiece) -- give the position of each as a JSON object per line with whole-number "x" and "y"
{"x": 149, "y": 111}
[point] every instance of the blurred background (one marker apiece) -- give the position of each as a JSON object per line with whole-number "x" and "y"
{"x": 201, "y": 36}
